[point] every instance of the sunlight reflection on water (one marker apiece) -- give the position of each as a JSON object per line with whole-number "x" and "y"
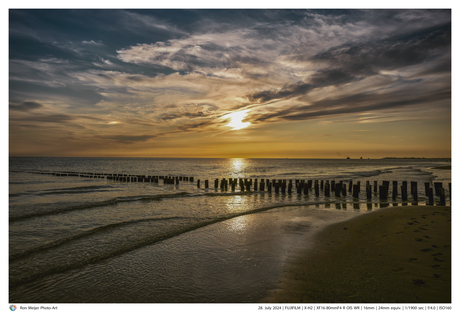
{"x": 238, "y": 166}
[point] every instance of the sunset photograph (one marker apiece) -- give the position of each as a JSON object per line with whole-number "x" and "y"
{"x": 216, "y": 156}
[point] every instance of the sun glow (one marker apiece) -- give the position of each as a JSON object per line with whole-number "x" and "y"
{"x": 236, "y": 119}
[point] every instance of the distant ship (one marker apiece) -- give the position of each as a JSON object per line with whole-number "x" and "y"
{"x": 348, "y": 157}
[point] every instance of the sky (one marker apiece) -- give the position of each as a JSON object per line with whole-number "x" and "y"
{"x": 230, "y": 83}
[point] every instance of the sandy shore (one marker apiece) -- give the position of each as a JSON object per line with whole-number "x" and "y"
{"x": 393, "y": 255}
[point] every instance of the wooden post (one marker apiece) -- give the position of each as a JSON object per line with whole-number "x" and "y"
{"x": 338, "y": 189}
{"x": 322, "y": 185}
{"x": 413, "y": 188}
{"x": 430, "y": 196}
{"x": 327, "y": 189}
{"x": 383, "y": 192}
{"x": 305, "y": 189}
{"x": 269, "y": 186}
{"x": 414, "y": 193}
{"x": 442, "y": 197}
{"x": 404, "y": 191}
{"x": 333, "y": 186}
{"x": 206, "y": 183}
{"x": 369, "y": 191}
{"x": 355, "y": 191}
{"x": 427, "y": 188}
{"x": 395, "y": 189}
{"x": 255, "y": 184}
{"x": 350, "y": 186}
{"x": 375, "y": 187}
{"x": 387, "y": 188}
{"x": 437, "y": 188}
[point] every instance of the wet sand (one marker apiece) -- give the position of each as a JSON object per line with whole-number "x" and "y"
{"x": 393, "y": 255}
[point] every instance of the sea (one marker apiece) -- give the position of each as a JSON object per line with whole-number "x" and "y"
{"x": 79, "y": 232}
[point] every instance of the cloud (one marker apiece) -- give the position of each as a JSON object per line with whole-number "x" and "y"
{"x": 92, "y": 42}
{"x": 285, "y": 93}
{"x": 356, "y": 103}
{"x": 176, "y": 116}
{"x": 389, "y": 53}
{"x": 188, "y": 111}
{"x": 26, "y": 106}
{"x": 55, "y": 118}
{"x": 180, "y": 55}
{"x": 352, "y": 63}
{"x": 127, "y": 139}
{"x": 145, "y": 23}
{"x": 282, "y": 54}
{"x": 199, "y": 126}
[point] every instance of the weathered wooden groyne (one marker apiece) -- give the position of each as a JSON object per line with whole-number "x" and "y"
{"x": 328, "y": 188}
{"x": 119, "y": 177}
{"x": 333, "y": 188}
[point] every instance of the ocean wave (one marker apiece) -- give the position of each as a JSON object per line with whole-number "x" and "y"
{"x": 44, "y": 210}
{"x": 63, "y": 191}
{"x": 367, "y": 174}
{"x": 99, "y": 229}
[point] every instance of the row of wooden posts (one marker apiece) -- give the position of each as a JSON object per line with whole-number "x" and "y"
{"x": 120, "y": 177}
{"x": 339, "y": 188}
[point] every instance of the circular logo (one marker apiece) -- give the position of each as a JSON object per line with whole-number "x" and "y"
{"x": 13, "y": 307}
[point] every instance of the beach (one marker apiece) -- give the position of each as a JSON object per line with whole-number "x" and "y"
{"x": 394, "y": 255}
{"x": 84, "y": 237}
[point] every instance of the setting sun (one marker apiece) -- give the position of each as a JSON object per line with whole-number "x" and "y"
{"x": 236, "y": 119}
